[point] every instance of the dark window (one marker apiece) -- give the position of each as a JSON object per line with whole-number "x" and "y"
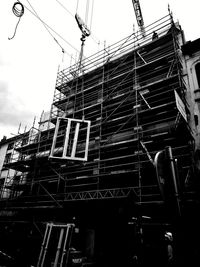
{"x": 197, "y": 69}
{"x": 196, "y": 120}
{"x": 7, "y": 158}
{"x": 25, "y": 141}
{"x": 10, "y": 145}
{"x": 2, "y": 180}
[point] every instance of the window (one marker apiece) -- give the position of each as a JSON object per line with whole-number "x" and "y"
{"x": 197, "y": 69}
{"x": 196, "y": 120}
{"x": 2, "y": 180}
{"x": 7, "y": 158}
{"x": 10, "y": 145}
{"x": 75, "y": 142}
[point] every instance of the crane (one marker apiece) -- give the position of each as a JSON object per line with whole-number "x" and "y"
{"x": 85, "y": 33}
{"x": 139, "y": 17}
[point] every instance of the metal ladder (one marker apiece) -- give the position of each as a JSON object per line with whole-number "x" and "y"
{"x": 50, "y": 255}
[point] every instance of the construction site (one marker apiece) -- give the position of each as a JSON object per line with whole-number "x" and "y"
{"x": 113, "y": 170}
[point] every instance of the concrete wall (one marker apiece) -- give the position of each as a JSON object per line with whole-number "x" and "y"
{"x": 45, "y": 123}
{"x": 193, "y": 94}
{"x": 6, "y": 174}
{"x": 3, "y": 149}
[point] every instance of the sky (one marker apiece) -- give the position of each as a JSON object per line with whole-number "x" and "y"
{"x": 29, "y": 62}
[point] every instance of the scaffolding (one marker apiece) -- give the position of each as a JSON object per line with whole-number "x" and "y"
{"x": 128, "y": 94}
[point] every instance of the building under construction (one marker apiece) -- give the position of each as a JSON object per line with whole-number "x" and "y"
{"x": 114, "y": 160}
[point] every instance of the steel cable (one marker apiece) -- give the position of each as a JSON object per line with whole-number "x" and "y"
{"x": 18, "y": 11}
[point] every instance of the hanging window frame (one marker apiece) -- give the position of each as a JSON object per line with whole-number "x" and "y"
{"x": 68, "y": 138}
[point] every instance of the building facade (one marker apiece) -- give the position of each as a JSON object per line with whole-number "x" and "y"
{"x": 119, "y": 162}
{"x": 8, "y": 176}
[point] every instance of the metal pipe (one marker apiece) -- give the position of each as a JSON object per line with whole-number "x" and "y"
{"x": 173, "y": 173}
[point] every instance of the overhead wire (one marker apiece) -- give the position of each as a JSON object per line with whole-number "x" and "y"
{"x": 45, "y": 25}
{"x": 77, "y": 5}
{"x": 94, "y": 38}
{"x": 91, "y": 17}
{"x": 86, "y": 12}
{"x": 50, "y": 28}
{"x": 64, "y": 7}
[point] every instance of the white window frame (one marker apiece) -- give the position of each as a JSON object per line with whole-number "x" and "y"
{"x": 67, "y": 139}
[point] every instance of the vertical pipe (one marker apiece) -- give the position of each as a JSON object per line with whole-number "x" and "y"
{"x": 70, "y": 233}
{"x": 64, "y": 245}
{"x": 59, "y": 248}
{"x": 173, "y": 172}
{"x": 43, "y": 243}
{"x": 46, "y": 243}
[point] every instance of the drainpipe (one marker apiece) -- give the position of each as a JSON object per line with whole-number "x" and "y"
{"x": 174, "y": 176}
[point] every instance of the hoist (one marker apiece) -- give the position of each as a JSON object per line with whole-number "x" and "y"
{"x": 139, "y": 17}
{"x": 85, "y": 33}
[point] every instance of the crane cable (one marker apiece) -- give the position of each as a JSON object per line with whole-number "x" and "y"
{"x": 64, "y": 7}
{"x": 91, "y": 17}
{"x": 94, "y": 38}
{"x": 87, "y": 11}
{"x": 77, "y": 4}
{"x": 45, "y": 26}
{"x": 18, "y": 11}
{"x": 48, "y": 28}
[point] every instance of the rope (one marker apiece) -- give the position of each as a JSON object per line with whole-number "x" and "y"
{"x": 83, "y": 103}
{"x": 86, "y": 12}
{"x": 77, "y": 5}
{"x": 45, "y": 25}
{"x": 92, "y": 11}
{"x": 64, "y": 8}
{"x": 48, "y": 28}
{"x": 18, "y": 11}
{"x": 94, "y": 38}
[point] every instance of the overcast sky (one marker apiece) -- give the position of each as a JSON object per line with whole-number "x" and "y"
{"x": 29, "y": 62}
